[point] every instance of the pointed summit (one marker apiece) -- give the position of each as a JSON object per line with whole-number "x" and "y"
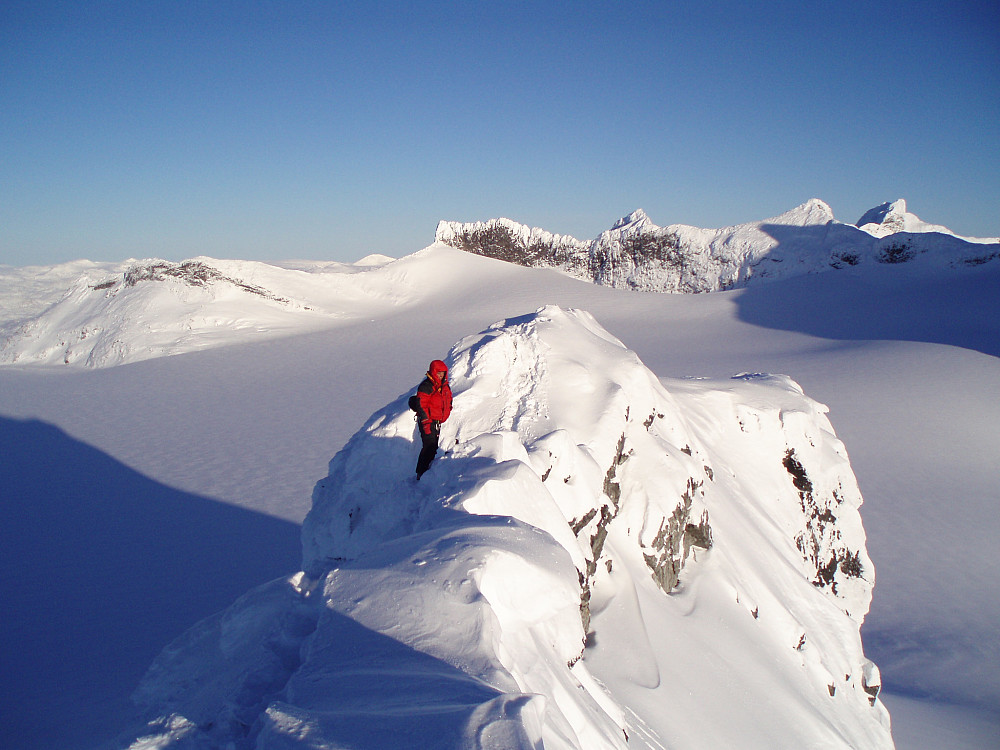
{"x": 637, "y": 218}
{"x": 813, "y": 211}
{"x": 890, "y": 218}
{"x": 884, "y": 214}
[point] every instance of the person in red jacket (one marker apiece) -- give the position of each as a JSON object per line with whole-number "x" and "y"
{"x": 432, "y": 403}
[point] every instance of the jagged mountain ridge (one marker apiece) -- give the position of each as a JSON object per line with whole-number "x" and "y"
{"x": 575, "y": 556}
{"x": 105, "y": 314}
{"x": 637, "y": 254}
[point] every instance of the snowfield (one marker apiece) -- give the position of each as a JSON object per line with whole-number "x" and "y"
{"x": 142, "y": 500}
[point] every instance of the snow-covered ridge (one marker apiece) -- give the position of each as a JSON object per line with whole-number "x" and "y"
{"x": 637, "y": 254}
{"x": 98, "y": 315}
{"x": 890, "y": 218}
{"x": 598, "y": 560}
{"x": 104, "y": 314}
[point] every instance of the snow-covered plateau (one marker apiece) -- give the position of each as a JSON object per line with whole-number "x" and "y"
{"x": 638, "y": 534}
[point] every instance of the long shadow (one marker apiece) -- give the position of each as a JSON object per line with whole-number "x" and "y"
{"x": 876, "y": 301}
{"x": 390, "y": 511}
{"x": 101, "y": 568}
{"x": 371, "y": 691}
{"x": 358, "y": 688}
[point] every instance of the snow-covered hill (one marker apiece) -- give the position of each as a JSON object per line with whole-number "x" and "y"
{"x": 99, "y": 315}
{"x": 600, "y": 560}
{"x": 103, "y": 314}
{"x": 637, "y": 254}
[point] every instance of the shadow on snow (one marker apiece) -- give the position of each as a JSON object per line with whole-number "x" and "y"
{"x": 882, "y": 302}
{"x": 102, "y": 567}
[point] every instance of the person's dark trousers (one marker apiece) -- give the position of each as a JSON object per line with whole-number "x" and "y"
{"x": 429, "y": 449}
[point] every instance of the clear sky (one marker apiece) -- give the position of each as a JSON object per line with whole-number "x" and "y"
{"x": 330, "y": 130}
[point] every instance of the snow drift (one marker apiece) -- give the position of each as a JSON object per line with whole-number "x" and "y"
{"x": 637, "y": 254}
{"x": 598, "y": 560}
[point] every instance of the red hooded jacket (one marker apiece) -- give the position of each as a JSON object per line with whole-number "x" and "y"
{"x": 434, "y": 396}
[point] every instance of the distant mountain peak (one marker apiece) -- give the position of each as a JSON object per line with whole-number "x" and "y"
{"x": 892, "y": 218}
{"x": 813, "y": 211}
{"x": 636, "y": 218}
{"x": 637, "y": 254}
{"x": 880, "y": 213}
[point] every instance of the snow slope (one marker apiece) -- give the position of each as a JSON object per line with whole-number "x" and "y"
{"x": 108, "y": 315}
{"x": 637, "y": 254}
{"x": 906, "y": 360}
{"x": 890, "y": 218}
{"x": 569, "y": 510}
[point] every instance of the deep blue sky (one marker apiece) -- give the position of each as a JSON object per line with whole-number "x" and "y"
{"x": 332, "y": 130}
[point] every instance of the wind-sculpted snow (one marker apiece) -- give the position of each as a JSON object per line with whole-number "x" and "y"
{"x": 637, "y": 254}
{"x": 597, "y": 559}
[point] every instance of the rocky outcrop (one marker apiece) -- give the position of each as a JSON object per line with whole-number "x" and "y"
{"x": 637, "y": 254}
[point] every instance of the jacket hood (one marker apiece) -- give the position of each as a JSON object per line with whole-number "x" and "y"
{"x": 437, "y": 370}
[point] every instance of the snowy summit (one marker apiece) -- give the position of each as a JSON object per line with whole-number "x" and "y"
{"x": 637, "y": 254}
{"x": 599, "y": 559}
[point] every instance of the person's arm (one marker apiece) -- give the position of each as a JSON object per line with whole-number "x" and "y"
{"x": 446, "y": 393}
{"x": 424, "y": 391}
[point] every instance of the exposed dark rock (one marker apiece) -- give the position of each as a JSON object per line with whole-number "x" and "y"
{"x": 577, "y": 525}
{"x": 620, "y": 259}
{"x": 674, "y": 539}
{"x": 820, "y": 542}
{"x": 611, "y": 486}
{"x": 191, "y": 272}
{"x": 872, "y": 690}
{"x": 794, "y": 467}
{"x": 897, "y": 252}
{"x": 845, "y": 258}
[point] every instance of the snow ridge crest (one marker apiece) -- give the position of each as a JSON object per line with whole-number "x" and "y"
{"x": 580, "y": 516}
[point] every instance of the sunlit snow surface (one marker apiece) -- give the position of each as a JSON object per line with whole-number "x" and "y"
{"x": 567, "y": 462}
{"x": 252, "y": 426}
{"x": 109, "y": 314}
